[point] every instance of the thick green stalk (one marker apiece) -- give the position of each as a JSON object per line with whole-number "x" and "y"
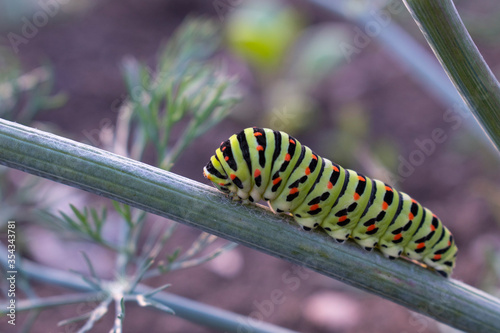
{"x": 183, "y": 200}
{"x": 446, "y": 34}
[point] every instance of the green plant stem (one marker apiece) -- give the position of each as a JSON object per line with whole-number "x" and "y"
{"x": 186, "y": 201}
{"x": 220, "y": 320}
{"x": 449, "y": 39}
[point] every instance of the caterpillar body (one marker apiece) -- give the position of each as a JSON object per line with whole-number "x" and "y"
{"x": 271, "y": 165}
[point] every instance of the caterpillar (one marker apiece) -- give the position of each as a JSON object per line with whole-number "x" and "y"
{"x": 260, "y": 163}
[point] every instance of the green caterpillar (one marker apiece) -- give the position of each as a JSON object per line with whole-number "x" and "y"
{"x": 264, "y": 164}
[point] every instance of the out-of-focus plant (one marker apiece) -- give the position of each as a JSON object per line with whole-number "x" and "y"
{"x": 183, "y": 87}
{"x": 288, "y": 61}
{"x": 23, "y": 95}
{"x": 312, "y": 60}
{"x": 490, "y": 281}
{"x": 25, "y": 17}
{"x": 491, "y": 276}
{"x": 262, "y": 32}
{"x": 483, "y": 23}
{"x": 186, "y": 87}
{"x": 353, "y": 135}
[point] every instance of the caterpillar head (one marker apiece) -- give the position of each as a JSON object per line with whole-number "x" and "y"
{"x": 214, "y": 172}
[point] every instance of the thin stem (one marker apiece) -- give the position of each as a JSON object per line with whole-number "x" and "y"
{"x": 122, "y": 257}
{"x": 119, "y": 315}
{"x": 185, "y": 201}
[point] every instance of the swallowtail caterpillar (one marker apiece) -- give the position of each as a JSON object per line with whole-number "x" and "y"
{"x": 259, "y": 163}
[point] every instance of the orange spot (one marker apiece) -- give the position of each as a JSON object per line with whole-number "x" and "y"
{"x": 294, "y": 190}
{"x": 209, "y": 177}
{"x": 276, "y": 181}
{"x": 256, "y": 173}
{"x": 329, "y": 185}
{"x": 342, "y": 218}
{"x": 314, "y": 207}
{"x": 222, "y": 184}
{"x": 411, "y": 217}
{"x": 308, "y": 171}
{"x": 398, "y": 236}
{"x": 385, "y": 205}
{"x": 361, "y": 178}
{"x": 232, "y": 176}
{"x": 370, "y": 228}
{"x": 356, "y": 196}
{"x": 414, "y": 201}
{"x": 434, "y": 215}
{"x": 226, "y": 158}
{"x": 292, "y": 142}
{"x": 315, "y": 157}
{"x": 260, "y": 148}
{"x": 420, "y": 245}
{"x": 387, "y": 188}
{"x": 437, "y": 257}
{"x": 257, "y": 134}
{"x": 335, "y": 168}
{"x": 223, "y": 148}
{"x": 433, "y": 228}
{"x": 449, "y": 243}
{"x": 287, "y": 157}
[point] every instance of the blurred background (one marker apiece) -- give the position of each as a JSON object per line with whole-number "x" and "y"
{"x": 355, "y": 81}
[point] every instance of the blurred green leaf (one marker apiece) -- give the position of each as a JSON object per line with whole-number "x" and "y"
{"x": 261, "y": 32}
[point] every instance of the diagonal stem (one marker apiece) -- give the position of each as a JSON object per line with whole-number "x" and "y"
{"x": 449, "y": 39}
{"x": 186, "y": 201}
